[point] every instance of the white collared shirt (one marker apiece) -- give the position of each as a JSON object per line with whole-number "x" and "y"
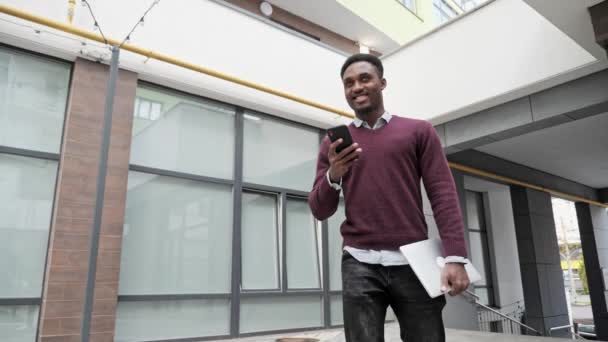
{"x": 382, "y": 257}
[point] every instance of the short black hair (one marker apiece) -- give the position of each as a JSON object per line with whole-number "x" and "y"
{"x": 363, "y": 57}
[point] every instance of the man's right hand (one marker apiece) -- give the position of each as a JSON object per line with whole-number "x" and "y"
{"x": 339, "y": 163}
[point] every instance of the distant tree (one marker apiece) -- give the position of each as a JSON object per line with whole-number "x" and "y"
{"x": 583, "y": 274}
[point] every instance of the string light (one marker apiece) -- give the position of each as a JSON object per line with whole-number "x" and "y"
{"x": 140, "y": 22}
{"x": 95, "y": 22}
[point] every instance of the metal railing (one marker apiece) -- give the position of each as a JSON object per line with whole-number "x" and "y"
{"x": 494, "y": 320}
{"x": 571, "y": 330}
{"x": 489, "y": 321}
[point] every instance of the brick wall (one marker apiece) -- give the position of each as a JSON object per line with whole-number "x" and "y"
{"x": 67, "y": 266}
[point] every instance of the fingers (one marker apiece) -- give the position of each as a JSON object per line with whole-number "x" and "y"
{"x": 456, "y": 277}
{"x": 444, "y": 280}
{"x": 347, "y": 151}
{"x": 334, "y": 145}
{"x": 339, "y": 163}
{"x": 457, "y": 287}
{"x": 351, "y": 156}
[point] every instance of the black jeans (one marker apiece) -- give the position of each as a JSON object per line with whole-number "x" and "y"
{"x": 369, "y": 289}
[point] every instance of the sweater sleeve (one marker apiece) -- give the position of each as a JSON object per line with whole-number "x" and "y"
{"x": 441, "y": 190}
{"x": 323, "y": 199}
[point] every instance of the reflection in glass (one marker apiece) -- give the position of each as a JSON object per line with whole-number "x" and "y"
{"x": 27, "y": 187}
{"x": 177, "y": 236}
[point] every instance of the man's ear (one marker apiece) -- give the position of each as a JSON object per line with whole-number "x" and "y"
{"x": 383, "y": 83}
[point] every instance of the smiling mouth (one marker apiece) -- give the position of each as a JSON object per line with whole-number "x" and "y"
{"x": 360, "y": 98}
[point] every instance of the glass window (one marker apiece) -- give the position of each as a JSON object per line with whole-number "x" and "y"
{"x": 181, "y": 133}
{"x": 27, "y": 187}
{"x": 478, "y": 244}
{"x": 277, "y": 313}
{"x": 478, "y": 256}
{"x": 278, "y": 153}
{"x": 18, "y": 323}
{"x": 443, "y": 11}
{"x": 260, "y": 242}
{"x": 411, "y": 4}
{"x": 163, "y": 320}
{"x": 337, "y": 315}
{"x": 177, "y": 237}
{"x": 475, "y": 215}
{"x": 335, "y": 248}
{"x": 483, "y": 294}
{"x": 302, "y": 246}
{"x": 33, "y": 96}
{"x": 468, "y": 5}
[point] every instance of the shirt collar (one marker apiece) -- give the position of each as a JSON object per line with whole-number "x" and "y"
{"x": 386, "y": 117}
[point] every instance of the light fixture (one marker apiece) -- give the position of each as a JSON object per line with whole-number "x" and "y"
{"x": 266, "y": 8}
{"x": 363, "y": 48}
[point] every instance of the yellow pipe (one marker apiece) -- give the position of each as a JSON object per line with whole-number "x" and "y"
{"x": 168, "y": 59}
{"x": 164, "y": 58}
{"x": 71, "y": 7}
{"x": 512, "y": 181}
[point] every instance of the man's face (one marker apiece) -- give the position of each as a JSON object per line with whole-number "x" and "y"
{"x": 363, "y": 87}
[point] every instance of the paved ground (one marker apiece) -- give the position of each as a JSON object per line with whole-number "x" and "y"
{"x": 392, "y": 335}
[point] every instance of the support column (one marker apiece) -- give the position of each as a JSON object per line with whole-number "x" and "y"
{"x": 69, "y": 263}
{"x": 593, "y": 226}
{"x": 541, "y": 273}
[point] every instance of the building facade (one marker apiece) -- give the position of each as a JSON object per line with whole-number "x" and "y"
{"x": 185, "y": 216}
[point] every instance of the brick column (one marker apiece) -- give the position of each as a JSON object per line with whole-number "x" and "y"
{"x": 62, "y": 310}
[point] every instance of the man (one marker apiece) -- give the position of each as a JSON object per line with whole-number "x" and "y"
{"x": 380, "y": 176}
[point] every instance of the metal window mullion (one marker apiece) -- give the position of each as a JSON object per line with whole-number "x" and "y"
{"x": 277, "y": 241}
{"x": 275, "y": 189}
{"x": 28, "y": 153}
{"x": 85, "y": 329}
{"x": 180, "y": 175}
{"x": 20, "y": 301}
{"x": 283, "y": 221}
{"x": 278, "y": 294}
{"x": 173, "y": 297}
{"x": 325, "y": 278}
{"x": 235, "y": 301}
{"x": 492, "y": 262}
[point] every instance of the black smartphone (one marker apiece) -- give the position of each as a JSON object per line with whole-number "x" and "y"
{"x": 342, "y": 132}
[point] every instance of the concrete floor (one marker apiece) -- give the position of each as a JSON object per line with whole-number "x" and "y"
{"x": 392, "y": 335}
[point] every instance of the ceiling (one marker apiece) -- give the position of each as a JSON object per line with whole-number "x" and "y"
{"x": 577, "y": 151}
{"x": 337, "y": 18}
{"x": 572, "y": 18}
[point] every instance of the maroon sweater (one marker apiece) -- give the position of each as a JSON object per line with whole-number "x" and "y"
{"x": 382, "y": 192}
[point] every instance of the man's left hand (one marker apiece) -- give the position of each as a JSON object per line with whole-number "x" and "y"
{"x": 455, "y": 276}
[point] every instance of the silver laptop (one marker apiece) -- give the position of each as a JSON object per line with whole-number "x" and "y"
{"x": 426, "y": 259}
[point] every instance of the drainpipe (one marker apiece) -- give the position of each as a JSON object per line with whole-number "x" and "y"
{"x": 71, "y": 7}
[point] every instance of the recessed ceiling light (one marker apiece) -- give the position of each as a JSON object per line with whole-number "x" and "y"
{"x": 266, "y": 8}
